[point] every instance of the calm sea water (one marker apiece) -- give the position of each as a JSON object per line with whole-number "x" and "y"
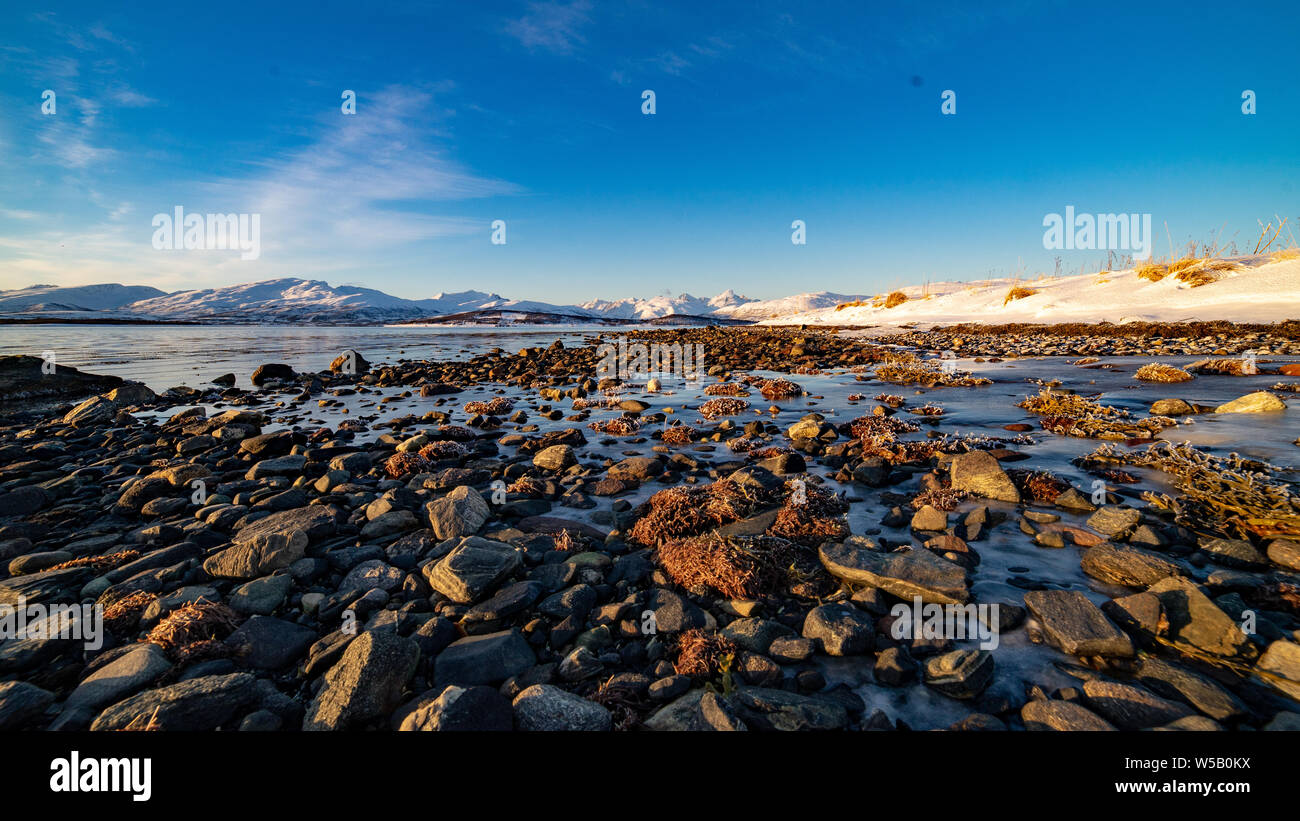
{"x": 165, "y": 356}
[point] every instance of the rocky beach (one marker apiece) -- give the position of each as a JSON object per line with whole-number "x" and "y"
{"x": 517, "y": 539}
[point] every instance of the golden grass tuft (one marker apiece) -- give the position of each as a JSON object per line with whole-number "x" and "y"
{"x": 895, "y": 299}
{"x": 1153, "y": 271}
{"x": 1283, "y": 254}
{"x": 1159, "y": 372}
{"x": 1198, "y": 271}
{"x": 1018, "y": 292}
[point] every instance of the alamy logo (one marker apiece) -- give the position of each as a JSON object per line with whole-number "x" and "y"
{"x": 77, "y": 622}
{"x": 952, "y": 621}
{"x": 208, "y": 232}
{"x": 637, "y": 361}
{"x": 77, "y": 774}
{"x": 1100, "y": 232}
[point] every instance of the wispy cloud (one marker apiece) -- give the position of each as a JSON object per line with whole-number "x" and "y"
{"x": 377, "y": 181}
{"x": 552, "y": 26}
{"x": 367, "y": 180}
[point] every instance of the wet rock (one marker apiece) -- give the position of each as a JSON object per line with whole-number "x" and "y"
{"x": 350, "y": 362}
{"x": 202, "y": 703}
{"x": 23, "y": 501}
{"x": 1062, "y": 716}
{"x": 673, "y": 613}
{"x": 269, "y": 643}
{"x": 546, "y": 708}
{"x": 680, "y": 715}
{"x": 487, "y": 659}
{"x": 1072, "y": 499}
{"x": 960, "y": 674}
{"x": 365, "y": 684}
{"x": 1234, "y": 553}
{"x": 904, "y": 574}
{"x": 21, "y": 703}
{"x": 135, "y": 669}
{"x": 556, "y": 458}
{"x": 1074, "y": 625}
{"x": 718, "y": 714}
{"x": 1257, "y": 402}
{"x": 507, "y": 601}
{"x": 1282, "y": 659}
{"x": 261, "y": 596}
{"x": 841, "y": 629}
{"x": 279, "y": 466}
{"x": 894, "y": 667}
{"x": 756, "y": 635}
{"x": 1115, "y": 522}
{"x": 23, "y": 379}
{"x": 1171, "y": 407}
{"x": 637, "y": 468}
{"x": 370, "y": 575}
{"x": 460, "y": 513}
{"x": 458, "y": 709}
{"x": 771, "y": 709}
{"x": 1126, "y": 566}
{"x": 472, "y": 568}
{"x": 1129, "y": 707}
{"x": 1175, "y": 682}
{"x": 1197, "y": 623}
{"x": 1285, "y": 552}
{"x": 272, "y": 543}
{"x": 97, "y": 410}
{"x": 929, "y": 518}
{"x": 979, "y": 474}
{"x": 270, "y": 371}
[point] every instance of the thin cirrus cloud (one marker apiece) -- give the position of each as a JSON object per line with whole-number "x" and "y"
{"x": 552, "y": 26}
{"x": 370, "y": 179}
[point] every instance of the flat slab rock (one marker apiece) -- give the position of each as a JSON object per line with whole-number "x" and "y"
{"x": 905, "y": 574}
{"x": 1075, "y": 625}
{"x": 1062, "y": 716}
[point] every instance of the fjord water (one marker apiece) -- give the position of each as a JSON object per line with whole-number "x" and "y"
{"x": 163, "y": 357}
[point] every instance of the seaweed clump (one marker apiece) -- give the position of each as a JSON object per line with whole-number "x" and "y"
{"x": 1159, "y": 372}
{"x": 722, "y": 406}
{"x": 1219, "y": 494}
{"x": 738, "y": 567}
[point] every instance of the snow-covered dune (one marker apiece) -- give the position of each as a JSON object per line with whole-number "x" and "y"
{"x": 1260, "y": 290}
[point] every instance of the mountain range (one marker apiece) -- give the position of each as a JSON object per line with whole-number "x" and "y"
{"x": 294, "y": 300}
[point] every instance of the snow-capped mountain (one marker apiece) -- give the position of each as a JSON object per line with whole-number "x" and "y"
{"x": 296, "y": 300}
{"x": 56, "y": 299}
{"x": 651, "y": 308}
{"x": 301, "y": 300}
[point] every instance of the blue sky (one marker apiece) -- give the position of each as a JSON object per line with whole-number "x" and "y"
{"x": 531, "y": 113}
